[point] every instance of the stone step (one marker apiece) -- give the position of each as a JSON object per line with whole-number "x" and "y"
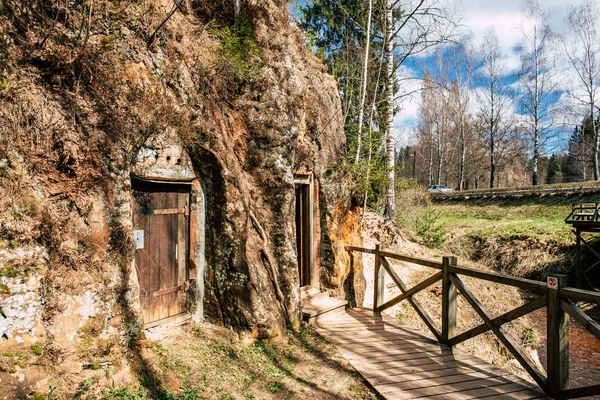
{"x": 307, "y": 291}
{"x": 320, "y": 308}
{"x": 313, "y": 297}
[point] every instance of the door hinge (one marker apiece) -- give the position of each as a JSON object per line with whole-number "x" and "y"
{"x": 169, "y": 211}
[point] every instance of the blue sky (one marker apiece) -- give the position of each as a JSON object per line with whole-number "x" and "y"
{"x": 475, "y": 16}
{"x": 506, "y": 18}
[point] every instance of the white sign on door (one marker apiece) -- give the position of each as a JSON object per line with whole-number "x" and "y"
{"x": 138, "y": 238}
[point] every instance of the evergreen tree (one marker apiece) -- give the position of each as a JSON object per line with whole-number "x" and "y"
{"x": 572, "y": 167}
{"x": 337, "y": 32}
{"x": 578, "y": 164}
{"x": 554, "y": 174}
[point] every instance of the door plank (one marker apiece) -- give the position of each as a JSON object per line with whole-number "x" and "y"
{"x": 182, "y": 249}
{"x": 162, "y": 257}
{"x": 168, "y": 269}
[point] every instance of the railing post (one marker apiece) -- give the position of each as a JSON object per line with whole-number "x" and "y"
{"x": 558, "y": 338}
{"x": 448, "y": 301}
{"x": 578, "y": 266}
{"x": 379, "y": 279}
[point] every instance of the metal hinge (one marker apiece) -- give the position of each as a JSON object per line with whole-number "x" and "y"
{"x": 168, "y": 211}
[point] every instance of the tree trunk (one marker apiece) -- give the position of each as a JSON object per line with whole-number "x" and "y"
{"x": 440, "y": 154}
{"x": 463, "y": 151}
{"x": 536, "y": 157}
{"x": 363, "y": 84}
{"x": 237, "y": 6}
{"x": 596, "y": 142}
{"x": 414, "y": 171}
{"x": 390, "y": 208}
{"x": 430, "y": 177}
{"x": 492, "y": 163}
{"x": 536, "y": 117}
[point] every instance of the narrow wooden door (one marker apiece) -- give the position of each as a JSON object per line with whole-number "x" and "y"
{"x": 303, "y": 237}
{"x": 161, "y": 228}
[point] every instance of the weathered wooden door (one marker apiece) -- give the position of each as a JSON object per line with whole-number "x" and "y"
{"x": 303, "y": 237}
{"x": 161, "y": 232}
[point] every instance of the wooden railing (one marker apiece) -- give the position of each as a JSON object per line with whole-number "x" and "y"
{"x": 554, "y": 295}
{"x": 584, "y": 213}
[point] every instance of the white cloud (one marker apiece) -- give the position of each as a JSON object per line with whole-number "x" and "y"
{"x": 506, "y": 18}
{"x": 409, "y": 102}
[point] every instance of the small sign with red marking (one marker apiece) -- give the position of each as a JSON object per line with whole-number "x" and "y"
{"x": 552, "y": 282}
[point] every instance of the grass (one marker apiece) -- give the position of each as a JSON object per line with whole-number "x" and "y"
{"x": 523, "y": 237}
{"x": 37, "y": 349}
{"x": 4, "y": 289}
{"x": 8, "y": 272}
{"x": 205, "y": 361}
{"x": 520, "y": 221}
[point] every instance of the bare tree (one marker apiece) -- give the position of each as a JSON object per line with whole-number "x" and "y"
{"x": 582, "y": 49}
{"x": 460, "y": 98}
{"x": 427, "y": 123}
{"x": 435, "y": 113}
{"x": 495, "y": 100}
{"x": 538, "y": 80}
{"x": 442, "y": 121}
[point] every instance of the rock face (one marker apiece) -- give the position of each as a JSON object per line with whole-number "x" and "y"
{"x": 88, "y": 96}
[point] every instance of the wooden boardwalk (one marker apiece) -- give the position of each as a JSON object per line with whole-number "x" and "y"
{"x": 403, "y": 364}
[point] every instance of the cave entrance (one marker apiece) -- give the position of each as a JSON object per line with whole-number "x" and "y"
{"x": 305, "y": 231}
{"x": 161, "y": 221}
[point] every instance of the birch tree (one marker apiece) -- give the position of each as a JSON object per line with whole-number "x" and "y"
{"x": 427, "y": 124}
{"x": 390, "y": 200}
{"x": 538, "y": 81}
{"x": 582, "y": 48}
{"x": 460, "y": 97}
{"x": 495, "y": 101}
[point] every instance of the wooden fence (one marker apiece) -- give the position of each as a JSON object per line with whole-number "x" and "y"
{"x": 558, "y": 299}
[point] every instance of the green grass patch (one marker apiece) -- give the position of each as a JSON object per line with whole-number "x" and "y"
{"x": 8, "y": 272}
{"x": 275, "y": 387}
{"x": 37, "y": 349}
{"x": 124, "y": 393}
{"x": 524, "y": 237}
{"x": 4, "y": 289}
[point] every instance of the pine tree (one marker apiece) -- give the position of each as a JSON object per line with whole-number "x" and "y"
{"x": 554, "y": 174}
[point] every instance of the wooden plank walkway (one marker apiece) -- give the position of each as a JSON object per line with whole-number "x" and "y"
{"x": 403, "y": 364}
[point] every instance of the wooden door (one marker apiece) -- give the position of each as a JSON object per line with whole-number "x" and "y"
{"x": 161, "y": 216}
{"x": 303, "y": 237}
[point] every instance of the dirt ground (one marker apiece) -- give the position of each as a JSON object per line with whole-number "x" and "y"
{"x": 204, "y": 361}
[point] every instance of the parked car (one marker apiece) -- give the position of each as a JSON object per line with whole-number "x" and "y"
{"x": 438, "y": 188}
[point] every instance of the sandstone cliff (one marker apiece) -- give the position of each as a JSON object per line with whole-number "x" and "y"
{"x": 83, "y": 87}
